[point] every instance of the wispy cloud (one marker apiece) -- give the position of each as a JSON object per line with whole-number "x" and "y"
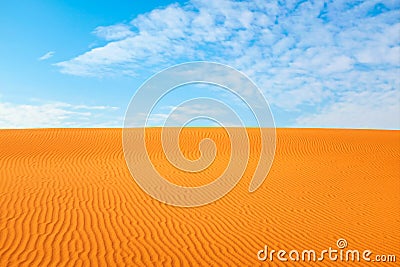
{"x": 47, "y": 55}
{"x": 55, "y": 114}
{"x": 113, "y": 32}
{"x": 358, "y": 110}
{"x": 304, "y": 55}
{"x": 187, "y": 114}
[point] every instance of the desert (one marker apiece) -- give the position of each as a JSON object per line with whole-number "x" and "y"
{"x": 68, "y": 199}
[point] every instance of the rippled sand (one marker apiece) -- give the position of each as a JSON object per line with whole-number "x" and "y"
{"x": 67, "y": 198}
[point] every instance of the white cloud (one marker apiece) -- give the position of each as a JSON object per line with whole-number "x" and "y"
{"x": 54, "y": 114}
{"x": 358, "y": 110}
{"x": 299, "y": 52}
{"x": 47, "y": 55}
{"x": 186, "y": 113}
{"x": 113, "y": 32}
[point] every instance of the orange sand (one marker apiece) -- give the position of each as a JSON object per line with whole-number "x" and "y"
{"x": 67, "y": 198}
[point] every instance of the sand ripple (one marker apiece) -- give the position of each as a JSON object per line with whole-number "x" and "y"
{"x": 67, "y": 198}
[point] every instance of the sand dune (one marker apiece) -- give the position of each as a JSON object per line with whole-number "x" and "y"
{"x": 67, "y": 198}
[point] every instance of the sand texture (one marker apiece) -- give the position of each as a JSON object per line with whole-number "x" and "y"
{"x": 68, "y": 198}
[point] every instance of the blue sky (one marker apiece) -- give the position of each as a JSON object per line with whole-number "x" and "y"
{"x": 318, "y": 63}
